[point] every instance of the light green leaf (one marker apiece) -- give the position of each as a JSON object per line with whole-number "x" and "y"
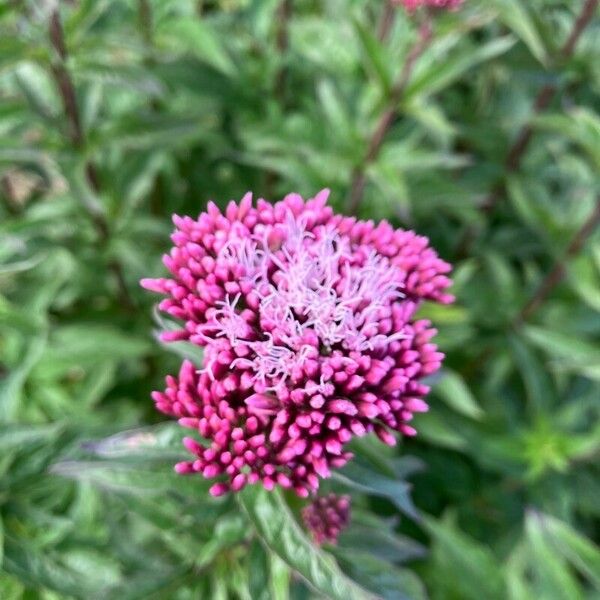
{"x": 279, "y": 580}
{"x": 88, "y": 343}
{"x": 11, "y": 387}
{"x": 440, "y": 74}
{"x": 575, "y": 547}
{"x": 573, "y": 353}
{"x": 146, "y": 443}
{"x": 197, "y": 37}
{"x": 131, "y": 479}
{"x": 551, "y": 573}
{"x": 454, "y": 391}
{"x": 375, "y": 55}
{"x": 278, "y": 530}
{"x": 517, "y": 16}
{"x": 16, "y": 435}
{"x": 473, "y": 568}
{"x": 43, "y": 570}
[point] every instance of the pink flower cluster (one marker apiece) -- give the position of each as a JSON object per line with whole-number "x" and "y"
{"x": 306, "y": 322}
{"x": 412, "y": 5}
{"x": 326, "y": 517}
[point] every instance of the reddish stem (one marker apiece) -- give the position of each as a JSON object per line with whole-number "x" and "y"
{"x": 387, "y": 20}
{"x": 386, "y": 119}
{"x": 69, "y": 99}
{"x": 557, "y": 273}
{"x": 519, "y": 147}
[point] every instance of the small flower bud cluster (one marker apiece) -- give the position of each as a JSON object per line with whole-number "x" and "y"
{"x": 326, "y": 517}
{"x": 306, "y": 319}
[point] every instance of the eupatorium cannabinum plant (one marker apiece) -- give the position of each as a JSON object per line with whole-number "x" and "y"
{"x": 307, "y": 319}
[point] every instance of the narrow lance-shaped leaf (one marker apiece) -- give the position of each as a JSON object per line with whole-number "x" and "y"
{"x": 279, "y": 531}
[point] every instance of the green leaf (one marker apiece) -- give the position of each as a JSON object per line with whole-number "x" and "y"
{"x": 197, "y": 37}
{"x": 573, "y": 353}
{"x": 1, "y": 542}
{"x": 517, "y": 581}
{"x": 472, "y": 567}
{"x": 88, "y": 343}
{"x": 15, "y": 436}
{"x": 43, "y": 570}
{"x": 278, "y": 530}
{"x": 380, "y": 542}
{"x": 11, "y": 386}
{"x": 333, "y": 108}
{"x": 441, "y": 73}
{"x": 551, "y": 573}
{"x": 366, "y": 480}
{"x": 517, "y": 16}
{"x": 454, "y": 391}
{"x": 581, "y": 125}
{"x": 257, "y": 566}
{"x": 540, "y": 392}
{"x": 162, "y": 442}
{"x": 279, "y": 578}
{"x": 130, "y": 479}
{"x": 21, "y": 265}
{"x": 575, "y": 547}
{"x": 374, "y": 53}
{"x": 386, "y": 580}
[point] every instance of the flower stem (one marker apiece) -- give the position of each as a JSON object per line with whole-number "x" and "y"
{"x": 386, "y": 120}
{"x": 557, "y": 273}
{"x": 387, "y": 20}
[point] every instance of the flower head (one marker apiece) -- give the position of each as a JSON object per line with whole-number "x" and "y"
{"x": 412, "y": 5}
{"x": 326, "y": 517}
{"x": 306, "y": 319}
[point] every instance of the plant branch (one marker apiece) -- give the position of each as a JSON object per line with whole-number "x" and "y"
{"x": 521, "y": 143}
{"x": 359, "y": 178}
{"x": 387, "y": 21}
{"x": 145, "y": 20}
{"x": 77, "y": 137}
{"x": 558, "y": 271}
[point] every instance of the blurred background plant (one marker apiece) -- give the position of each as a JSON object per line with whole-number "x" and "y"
{"x": 477, "y": 129}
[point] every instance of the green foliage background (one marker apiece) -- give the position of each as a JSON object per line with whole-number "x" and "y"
{"x": 176, "y": 102}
